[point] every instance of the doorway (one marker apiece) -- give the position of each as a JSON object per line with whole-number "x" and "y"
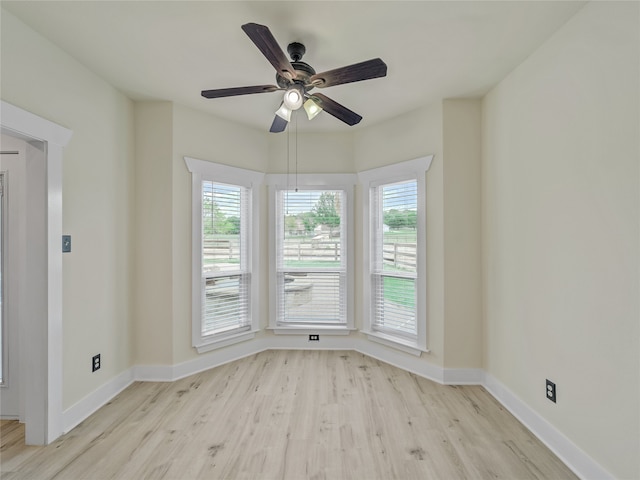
{"x": 12, "y": 269}
{"x": 40, "y": 324}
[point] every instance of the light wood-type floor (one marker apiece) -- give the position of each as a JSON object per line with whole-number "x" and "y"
{"x": 290, "y": 415}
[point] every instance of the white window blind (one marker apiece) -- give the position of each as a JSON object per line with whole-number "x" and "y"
{"x": 311, "y": 264}
{"x": 394, "y": 258}
{"x": 226, "y": 276}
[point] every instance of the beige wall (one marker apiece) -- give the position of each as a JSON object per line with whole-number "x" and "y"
{"x": 560, "y": 218}
{"x": 462, "y": 234}
{"x": 97, "y": 196}
{"x": 409, "y": 136}
{"x": 154, "y": 219}
{"x": 316, "y": 153}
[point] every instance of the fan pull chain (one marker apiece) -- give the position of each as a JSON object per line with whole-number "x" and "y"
{"x": 296, "y": 116}
{"x": 288, "y": 176}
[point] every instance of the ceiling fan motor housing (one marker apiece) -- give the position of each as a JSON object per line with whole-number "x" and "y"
{"x": 296, "y": 51}
{"x": 303, "y": 70}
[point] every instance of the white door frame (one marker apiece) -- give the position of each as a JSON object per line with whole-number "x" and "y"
{"x": 42, "y": 369}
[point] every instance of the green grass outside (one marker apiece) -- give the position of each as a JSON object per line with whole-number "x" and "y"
{"x": 400, "y": 290}
{"x": 404, "y": 235}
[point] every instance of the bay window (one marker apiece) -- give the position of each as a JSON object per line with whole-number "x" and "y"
{"x": 394, "y": 227}
{"x": 311, "y": 260}
{"x": 224, "y": 253}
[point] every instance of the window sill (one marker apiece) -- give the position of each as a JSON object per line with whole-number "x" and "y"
{"x": 406, "y": 346}
{"x": 311, "y": 329}
{"x": 225, "y": 341}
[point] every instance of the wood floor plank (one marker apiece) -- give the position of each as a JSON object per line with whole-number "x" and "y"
{"x": 290, "y": 415}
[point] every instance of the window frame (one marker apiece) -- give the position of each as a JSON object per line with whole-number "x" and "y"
{"x": 372, "y": 179}
{"x": 344, "y": 182}
{"x": 205, "y": 171}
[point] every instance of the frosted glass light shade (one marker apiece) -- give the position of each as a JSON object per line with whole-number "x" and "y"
{"x": 312, "y": 108}
{"x": 294, "y": 96}
{"x": 284, "y": 113}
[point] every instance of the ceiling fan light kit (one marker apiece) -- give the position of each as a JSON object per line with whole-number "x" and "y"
{"x": 294, "y": 96}
{"x": 297, "y": 78}
{"x": 284, "y": 113}
{"x": 312, "y": 108}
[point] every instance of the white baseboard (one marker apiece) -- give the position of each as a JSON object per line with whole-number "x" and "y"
{"x": 392, "y": 356}
{"x": 219, "y": 357}
{"x": 10, "y": 417}
{"x": 82, "y": 409}
{"x": 573, "y": 457}
{"x": 576, "y": 459}
{"x": 171, "y": 373}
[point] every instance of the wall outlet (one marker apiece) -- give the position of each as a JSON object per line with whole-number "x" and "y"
{"x": 314, "y": 338}
{"x": 551, "y": 391}
{"x": 95, "y": 363}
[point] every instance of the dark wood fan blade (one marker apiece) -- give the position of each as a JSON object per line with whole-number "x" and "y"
{"x": 267, "y": 44}
{"x": 279, "y": 124}
{"x": 352, "y": 73}
{"x": 334, "y": 108}
{"x": 230, "y": 92}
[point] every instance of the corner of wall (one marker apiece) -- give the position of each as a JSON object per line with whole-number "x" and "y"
{"x": 153, "y": 276}
{"x": 462, "y": 233}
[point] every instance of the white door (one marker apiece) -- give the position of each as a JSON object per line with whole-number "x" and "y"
{"x": 12, "y": 170}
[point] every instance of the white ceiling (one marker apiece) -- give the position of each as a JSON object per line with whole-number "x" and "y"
{"x": 171, "y": 50}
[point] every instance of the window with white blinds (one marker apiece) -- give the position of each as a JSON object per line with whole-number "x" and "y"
{"x": 311, "y": 267}
{"x": 394, "y": 227}
{"x": 225, "y": 237}
{"x": 393, "y": 258}
{"x": 226, "y": 277}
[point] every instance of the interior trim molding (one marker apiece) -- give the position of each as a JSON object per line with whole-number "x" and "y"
{"x": 393, "y": 342}
{"x": 226, "y": 341}
{"x": 81, "y": 410}
{"x": 575, "y": 458}
{"x": 393, "y": 356}
{"x": 43, "y": 372}
{"x": 216, "y": 358}
{"x": 571, "y": 455}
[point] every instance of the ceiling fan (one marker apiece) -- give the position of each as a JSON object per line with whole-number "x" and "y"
{"x": 297, "y": 79}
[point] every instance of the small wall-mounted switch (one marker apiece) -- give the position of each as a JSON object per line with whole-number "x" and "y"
{"x": 95, "y": 363}
{"x": 314, "y": 338}
{"x": 551, "y": 391}
{"x": 66, "y": 243}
